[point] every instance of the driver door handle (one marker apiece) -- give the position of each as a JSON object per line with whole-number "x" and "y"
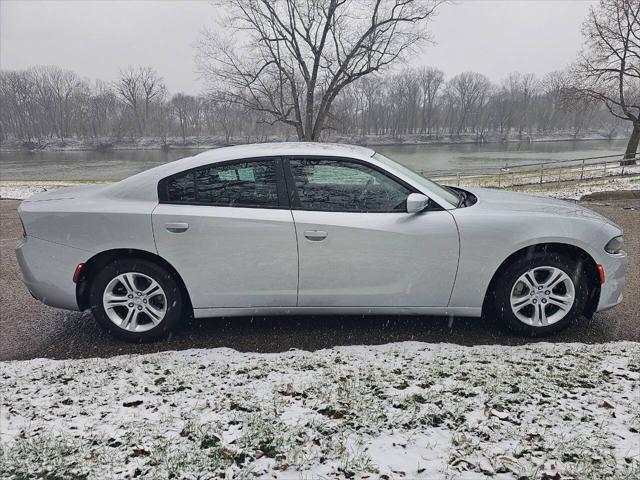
{"x": 315, "y": 235}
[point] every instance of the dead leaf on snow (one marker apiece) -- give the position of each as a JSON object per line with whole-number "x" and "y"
{"x": 501, "y": 414}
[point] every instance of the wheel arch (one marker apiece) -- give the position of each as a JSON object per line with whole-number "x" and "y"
{"x": 100, "y": 260}
{"x": 572, "y": 251}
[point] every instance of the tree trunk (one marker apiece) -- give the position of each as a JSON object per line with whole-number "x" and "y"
{"x": 632, "y": 146}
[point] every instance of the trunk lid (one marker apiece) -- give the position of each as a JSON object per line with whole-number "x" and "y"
{"x": 64, "y": 193}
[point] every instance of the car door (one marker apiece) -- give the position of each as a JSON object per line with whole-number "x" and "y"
{"x": 357, "y": 245}
{"x": 228, "y": 230}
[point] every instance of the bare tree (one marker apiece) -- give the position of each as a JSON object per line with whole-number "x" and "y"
{"x": 102, "y": 109}
{"x": 18, "y": 100}
{"x": 152, "y": 88}
{"x": 430, "y": 79}
{"x": 553, "y": 85}
{"x": 608, "y": 69}
{"x": 57, "y": 92}
{"x": 138, "y": 88}
{"x": 181, "y": 105}
{"x": 290, "y": 59}
{"x": 128, "y": 88}
{"x": 469, "y": 92}
{"x": 227, "y": 114}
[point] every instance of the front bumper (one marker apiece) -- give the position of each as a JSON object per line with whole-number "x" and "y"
{"x": 47, "y": 271}
{"x": 615, "y": 269}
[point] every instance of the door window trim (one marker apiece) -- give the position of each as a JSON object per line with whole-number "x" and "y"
{"x": 281, "y": 187}
{"x": 294, "y": 199}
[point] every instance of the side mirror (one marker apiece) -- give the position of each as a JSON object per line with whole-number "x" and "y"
{"x": 416, "y": 202}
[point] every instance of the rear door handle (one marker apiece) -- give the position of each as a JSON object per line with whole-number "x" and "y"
{"x": 315, "y": 235}
{"x": 176, "y": 227}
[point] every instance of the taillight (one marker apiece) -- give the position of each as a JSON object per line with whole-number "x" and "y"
{"x": 24, "y": 230}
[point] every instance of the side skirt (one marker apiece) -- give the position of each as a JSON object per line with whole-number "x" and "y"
{"x": 277, "y": 311}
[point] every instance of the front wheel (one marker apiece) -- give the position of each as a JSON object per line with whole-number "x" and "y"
{"x": 135, "y": 300}
{"x": 541, "y": 294}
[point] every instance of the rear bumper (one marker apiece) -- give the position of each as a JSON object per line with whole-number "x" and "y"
{"x": 615, "y": 269}
{"x": 47, "y": 271}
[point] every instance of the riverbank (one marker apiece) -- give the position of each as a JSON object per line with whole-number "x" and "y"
{"x": 209, "y": 142}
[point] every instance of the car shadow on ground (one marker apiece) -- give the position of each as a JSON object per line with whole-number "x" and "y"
{"x": 313, "y": 332}
{"x": 78, "y": 336}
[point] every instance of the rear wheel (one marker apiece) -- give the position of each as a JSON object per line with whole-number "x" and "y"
{"x": 135, "y": 300}
{"x": 541, "y": 294}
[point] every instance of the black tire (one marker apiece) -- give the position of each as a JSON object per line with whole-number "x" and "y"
{"x": 166, "y": 281}
{"x": 509, "y": 277}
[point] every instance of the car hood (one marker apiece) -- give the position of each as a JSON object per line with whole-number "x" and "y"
{"x": 514, "y": 202}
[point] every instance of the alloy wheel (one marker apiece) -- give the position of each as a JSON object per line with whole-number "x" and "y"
{"x": 134, "y": 302}
{"x": 542, "y": 296}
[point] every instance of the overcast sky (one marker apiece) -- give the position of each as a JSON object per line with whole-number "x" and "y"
{"x": 97, "y": 38}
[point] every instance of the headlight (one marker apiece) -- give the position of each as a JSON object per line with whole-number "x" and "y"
{"x": 615, "y": 245}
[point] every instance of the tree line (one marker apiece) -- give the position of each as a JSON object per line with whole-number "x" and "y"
{"x": 47, "y": 103}
{"x": 422, "y": 101}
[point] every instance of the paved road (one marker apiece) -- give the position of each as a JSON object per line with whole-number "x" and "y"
{"x": 29, "y": 329}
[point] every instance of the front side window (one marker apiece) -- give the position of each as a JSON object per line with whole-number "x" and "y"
{"x": 239, "y": 184}
{"x": 444, "y": 193}
{"x": 345, "y": 186}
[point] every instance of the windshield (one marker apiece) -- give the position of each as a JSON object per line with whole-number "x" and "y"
{"x": 432, "y": 186}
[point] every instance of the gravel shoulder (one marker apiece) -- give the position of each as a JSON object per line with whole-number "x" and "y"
{"x": 31, "y": 330}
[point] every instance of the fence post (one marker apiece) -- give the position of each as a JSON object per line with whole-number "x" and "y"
{"x": 541, "y": 172}
{"x": 458, "y": 178}
{"x": 582, "y": 170}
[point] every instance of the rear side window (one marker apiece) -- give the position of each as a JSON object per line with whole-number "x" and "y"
{"x": 181, "y": 188}
{"x": 239, "y": 184}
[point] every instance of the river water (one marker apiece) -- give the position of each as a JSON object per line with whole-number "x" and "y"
{"x": 118, "y": 164}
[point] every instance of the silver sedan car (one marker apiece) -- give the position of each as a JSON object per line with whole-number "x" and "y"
{"x": 296, "y": 228}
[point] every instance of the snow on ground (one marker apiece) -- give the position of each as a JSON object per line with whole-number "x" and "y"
{"x": 404, "y": 410}
{"x": 577, "y": 190}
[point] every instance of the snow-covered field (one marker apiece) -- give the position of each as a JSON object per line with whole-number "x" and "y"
{"x": 404, "y": 410}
